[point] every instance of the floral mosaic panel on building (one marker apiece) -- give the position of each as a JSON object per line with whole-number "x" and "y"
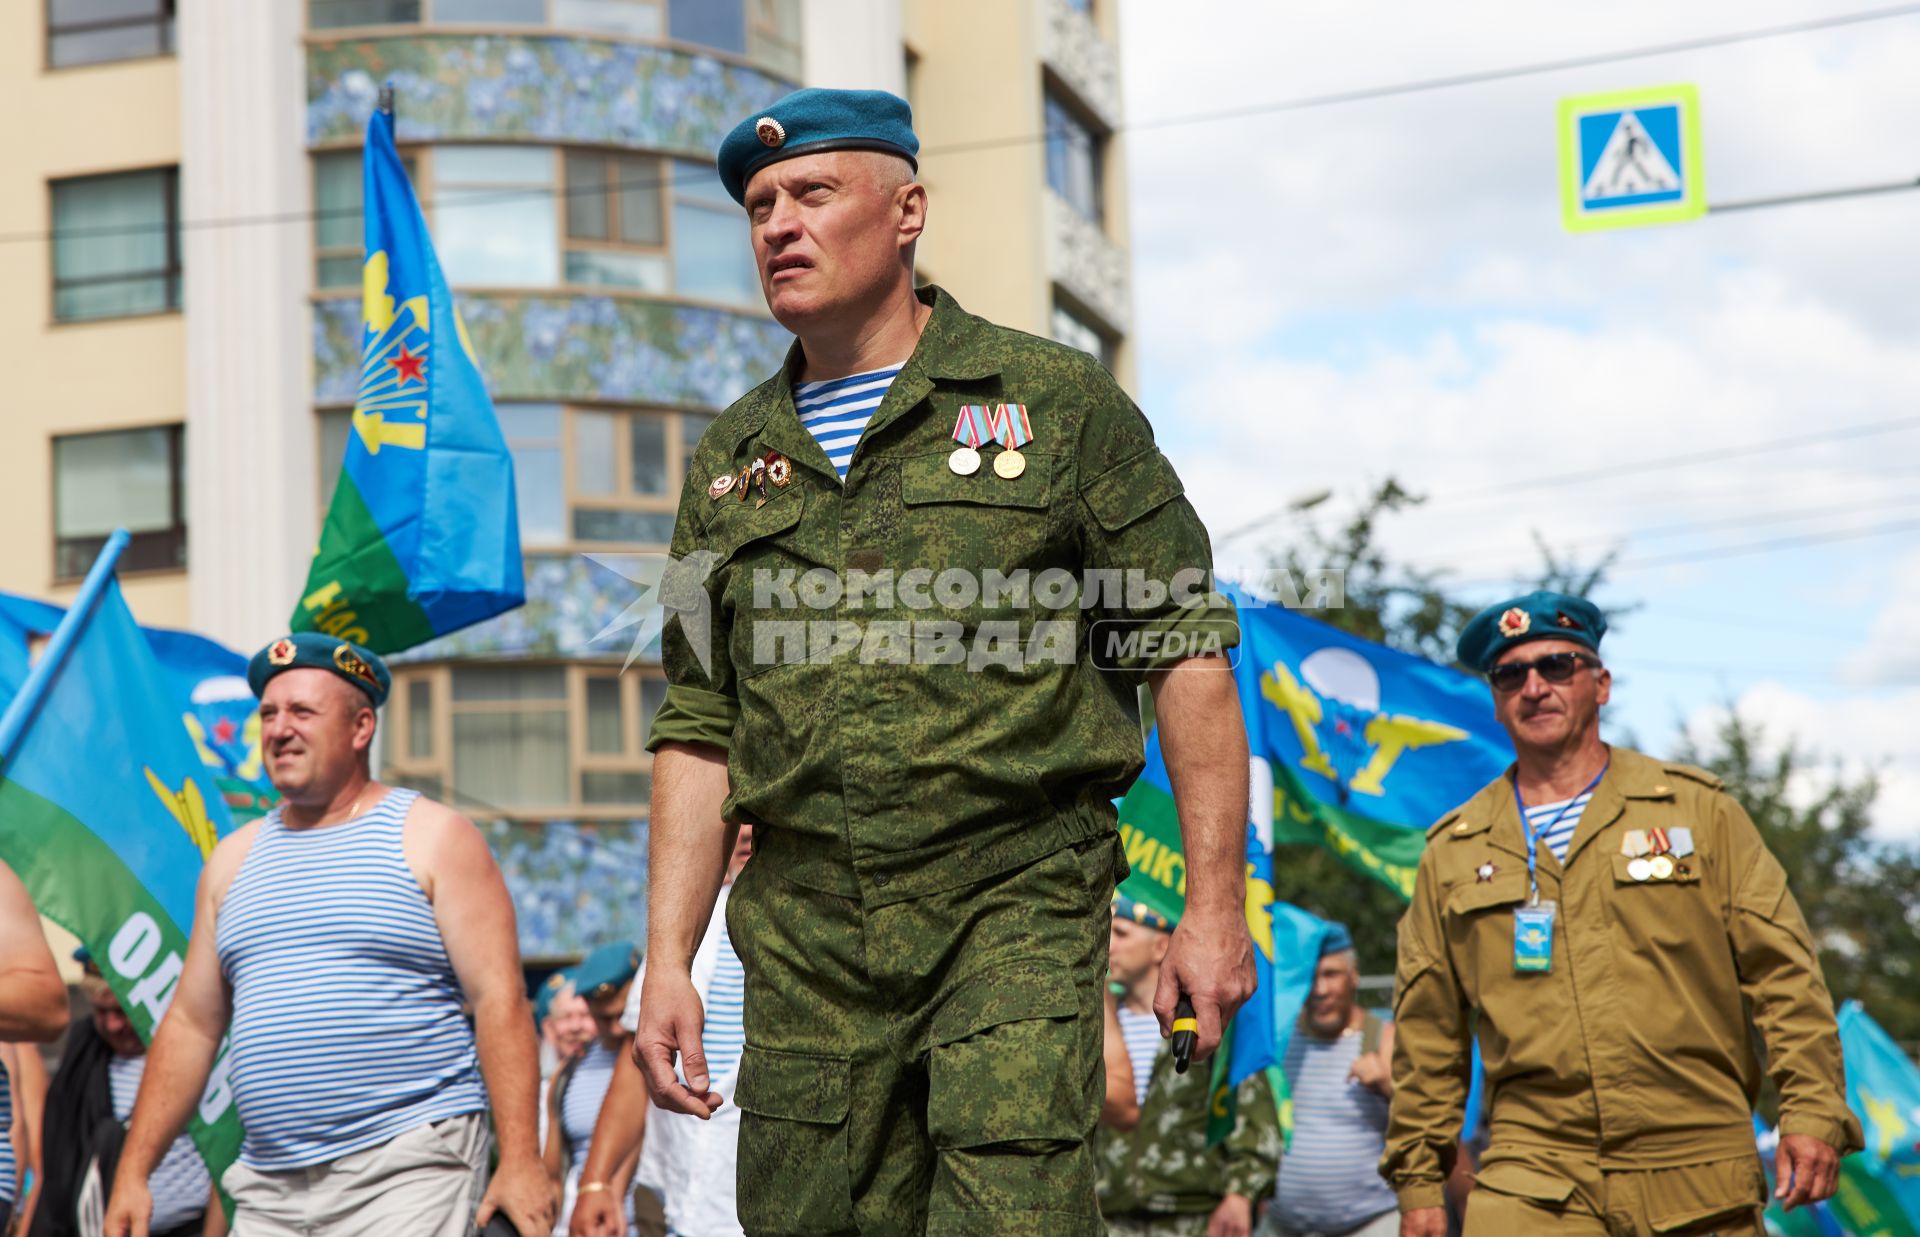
{"x": 575, "y": 884}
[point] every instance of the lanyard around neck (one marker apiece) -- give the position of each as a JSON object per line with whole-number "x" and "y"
{"x": 1534, "y": 835}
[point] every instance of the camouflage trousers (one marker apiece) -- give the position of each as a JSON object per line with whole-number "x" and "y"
{"x": 1154, "y": 1224}
{"x": 929, "y": 1066}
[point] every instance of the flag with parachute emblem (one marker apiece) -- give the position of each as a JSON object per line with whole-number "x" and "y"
{"x": 107, "y": 814}
{"x": 423, "y": 535}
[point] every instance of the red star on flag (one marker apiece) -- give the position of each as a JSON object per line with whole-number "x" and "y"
{"x": 224, "y": 730}
{"x": 409, "y": 365}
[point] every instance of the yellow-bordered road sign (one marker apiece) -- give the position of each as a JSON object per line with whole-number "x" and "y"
{"x": 1631, "y": 157}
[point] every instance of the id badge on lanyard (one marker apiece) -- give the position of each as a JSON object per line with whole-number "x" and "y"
{"x": 1533, "y": 938}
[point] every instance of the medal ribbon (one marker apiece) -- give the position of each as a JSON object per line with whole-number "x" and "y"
{"x": 1011, "y": 428}
{"x": 972, "y": 428}
{"x": 1534, "y": 835}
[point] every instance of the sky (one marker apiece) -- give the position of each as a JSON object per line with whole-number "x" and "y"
{"x": 1328, "y": 297}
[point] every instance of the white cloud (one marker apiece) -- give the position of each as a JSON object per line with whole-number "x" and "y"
{"x": 1863, "y": 734}
{"x": 1891, "y": 655}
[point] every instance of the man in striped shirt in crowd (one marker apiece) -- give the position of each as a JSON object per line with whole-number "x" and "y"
{"x": 341, "y": 939}
{"x": 687, "y": 1162}
{"x": 1337, "y": 1067}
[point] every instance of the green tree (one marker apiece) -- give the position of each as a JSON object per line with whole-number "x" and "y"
{"x": 1861, "y": 896}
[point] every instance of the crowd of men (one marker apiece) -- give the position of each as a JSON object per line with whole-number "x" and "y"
{"x": 887, "y": 987}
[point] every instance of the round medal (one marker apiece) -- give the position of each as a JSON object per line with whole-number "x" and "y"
{"x": 1661, "y": 867}
{"x": 779, "y": 469}
{"x": 1009, "y": 464}
{"x": 964, "y": 461}
{"x": 1639, "y": 869}
{"x": 718, "y": 487}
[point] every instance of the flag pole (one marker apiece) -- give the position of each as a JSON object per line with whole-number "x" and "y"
{"x": 386, "y": 100}
{"x": 26, "y": 703}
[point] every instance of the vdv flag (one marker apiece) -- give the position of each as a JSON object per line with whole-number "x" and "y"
{"x": 423, "y": 536}
{"x": 107, "y": 814}
{"x": 208, "y": 682}
{"x": 1367, "y": 746}
{"x": 1879, "y": 1192}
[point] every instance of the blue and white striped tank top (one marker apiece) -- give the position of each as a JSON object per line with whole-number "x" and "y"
{"x": 8, "y": 1176}
{"x": 724, "y": 1036}
{"x": 347, "y": 1021}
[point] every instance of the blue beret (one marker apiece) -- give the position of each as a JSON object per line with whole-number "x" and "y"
{"x": 1140, "y": 913}
{"x": 810, "y": 121}
{"x": 1337, "y": 939}
{"x": 606, "y": 968}
{"x": 1537, "y": 616}
{"x": 557, "y": 983}
{"x": 312, "y": 650}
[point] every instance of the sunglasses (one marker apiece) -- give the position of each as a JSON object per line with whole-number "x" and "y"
{"x": 1509, "y": 676}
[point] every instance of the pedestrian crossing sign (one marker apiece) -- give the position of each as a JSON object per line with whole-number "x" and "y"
{"x": 1631, "y": 157}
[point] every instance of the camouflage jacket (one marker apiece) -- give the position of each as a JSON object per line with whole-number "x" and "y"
{"x": 1164, "y": 1166}
{"x": 891, "y": 704}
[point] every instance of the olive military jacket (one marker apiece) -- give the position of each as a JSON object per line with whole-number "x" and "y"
{"x": 1636, "y": 1048}
{"x": 1163, "y": 1166}
{"x": 896, "y": 715}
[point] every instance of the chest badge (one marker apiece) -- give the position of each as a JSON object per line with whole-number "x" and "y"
{"x": 779, "y": 470}
{"x": 718, "y": 487}
{"x": 1634, "y": 844}
{"x": 1484, "y": 872}
{"x": 971, "y": 431}
{"x": 1011, "y": 430}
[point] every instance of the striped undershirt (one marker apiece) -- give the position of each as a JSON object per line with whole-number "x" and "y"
{"x": 179, "y": 1184}
{"x": 1562, "y": 829}
{"x": 347, "y": 1026}
{"x": 1141, "y": 1033}
{"x": 1327, "y": 1178}
{"x": 836, "y": 411}
{"x": 8, "y": 1174}
{"x": 725, "y": 1035}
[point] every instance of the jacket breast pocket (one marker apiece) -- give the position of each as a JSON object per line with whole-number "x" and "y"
{"x": 1479, "y": 929}
{"x": 962, "y": 528}
{"x": 759, "y": 579}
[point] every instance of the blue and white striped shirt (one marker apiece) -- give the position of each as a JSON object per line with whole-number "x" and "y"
{"x": 580, "y": 1105}
{"x": 836, "y": 411}
{"x": 179, "y": 1183}
{"x": 8, "y": 1175}
{"x": 1141, "y": 1034}
{"x": 725, "y": 1035}
{"x": 1327, "y": 1180}
{"x": 347, "y": 1027}
{"x": 1562, "y": 829}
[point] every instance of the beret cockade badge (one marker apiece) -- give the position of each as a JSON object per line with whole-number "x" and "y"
{"x": 1515, "y": 622}
{"x": 770, "y": 131}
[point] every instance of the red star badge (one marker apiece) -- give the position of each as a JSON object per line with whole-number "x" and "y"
{"x": 411, "y": 366}
{"x": 224, "y": 730}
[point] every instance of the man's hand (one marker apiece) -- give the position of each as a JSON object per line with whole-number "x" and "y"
{"x": 597, "y": 1215}
{"x": 671, "y": 1022}
{"x": 1211, "y": 960}
{"x": 522, "y": 1190}
{"x": 1808, "y": 1170}
{"x": 129, "y": 1209}
{"x": 1232, "y": 1218}
{"x": 1424, "y": 1222}
{"x": 1370, "y": 1070}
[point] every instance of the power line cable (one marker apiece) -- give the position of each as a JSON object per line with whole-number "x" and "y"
{"x": 1218, "y": 115}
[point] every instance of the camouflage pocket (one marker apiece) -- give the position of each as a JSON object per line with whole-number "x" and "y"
{"x": 793, "y": 1148}
{"x": 1010, "y": 1063}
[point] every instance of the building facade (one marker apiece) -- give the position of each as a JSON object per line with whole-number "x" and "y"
{"x": 180, "y": 312}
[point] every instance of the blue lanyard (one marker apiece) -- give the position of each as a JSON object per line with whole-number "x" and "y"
{"x": 1534, "y": 836}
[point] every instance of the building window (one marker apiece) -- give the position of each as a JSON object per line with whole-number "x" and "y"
{"x": 131, "y": 479}
{"x": 773, "y": 35}
{"x": 635, "y": 17}
{"x": 583, "y": 477}
{"x": 524, "y": 739}
{"x": 767, "y": 30}
{"x": 493, "y": 215}
{"x": 339, "y": 224}
{"x": 712, "y": 249}
{"x": 615, "y": 235}
{"x": 96, "y": 31}
{"x": 1075, "y": 159}
{"x": 719, "y": 24}
{"x": 331, "y": 14}
{"x": 491, "y": 12}
{"x": 1081, "y": 6}
{"x": 1076, "y": 330}
{"x": 116, "y": 245}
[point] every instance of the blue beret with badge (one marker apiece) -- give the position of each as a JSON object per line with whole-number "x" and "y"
{"x": 1140, "y": 913}
{"x": 558, "y": 983}
{"x": 811, "y": 122}
{"x": 606, "y": 969}
{"x": 313, "y": 650}
{"x": 1337, "y": 939}
{"x": 1537, "y": 616}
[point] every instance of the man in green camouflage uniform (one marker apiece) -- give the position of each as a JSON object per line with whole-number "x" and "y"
{"x": 1158, "y": 1176}
{"x": 924, "y": 923}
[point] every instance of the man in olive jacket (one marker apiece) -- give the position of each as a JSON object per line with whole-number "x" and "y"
{"x": 1620, "y": 930}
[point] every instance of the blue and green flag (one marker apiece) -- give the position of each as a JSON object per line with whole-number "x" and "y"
{"x": 1879, "y": 1194}
{"x": 423, "y": 537}
{"x": 209, "y": 686}
{"x": 107, "y": 814}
